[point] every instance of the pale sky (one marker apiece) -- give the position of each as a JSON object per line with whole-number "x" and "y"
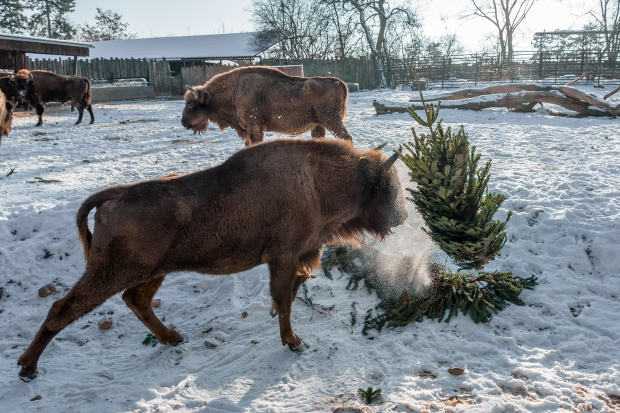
{"x": 158, "y": 18}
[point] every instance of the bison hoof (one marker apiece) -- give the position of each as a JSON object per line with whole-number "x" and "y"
{"x": 26, "y": 374}
{"x": 299, "y": 346}
{"x": 27, "y": 378}
{"x": 39, "y": 124}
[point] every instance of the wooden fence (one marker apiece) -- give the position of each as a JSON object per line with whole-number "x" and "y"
{"x": 361, "y": 71}
{"x": 198, "y": 75}
{"x": 158, "y": 73}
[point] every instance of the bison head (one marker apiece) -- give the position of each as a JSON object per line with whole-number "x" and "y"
{"x": 386, "y": 203}
{"x": 6, "y": 117}
{"x": 22, "y": 82}
{"x": 196, "y": 112}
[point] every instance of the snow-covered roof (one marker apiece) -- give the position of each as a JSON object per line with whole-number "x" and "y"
{"x": 227, "y": 46}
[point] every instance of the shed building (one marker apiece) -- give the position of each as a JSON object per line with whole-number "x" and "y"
{"x": 14, "y": 47}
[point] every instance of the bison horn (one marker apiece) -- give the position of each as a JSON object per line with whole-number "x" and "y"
{"x": 30, "y": 77}
{"x": 191, "y": 89}
{"x": 392, "y": 159}
{"x": 378, "y": 148}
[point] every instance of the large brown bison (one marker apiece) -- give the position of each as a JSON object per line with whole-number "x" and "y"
{"x": 6, "y": 116}
{"x": 38, "y": 87}
{"x": 253, "y": 100}
{"x": 274, "y": 203}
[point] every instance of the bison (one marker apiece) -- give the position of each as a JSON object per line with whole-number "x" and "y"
{"x": 6, "y": 116}
{"x": 8, "y": 88}
{"x": 275, "y": 203}
{"x": 38, "y": 87}
{"x": 253, "y": 100}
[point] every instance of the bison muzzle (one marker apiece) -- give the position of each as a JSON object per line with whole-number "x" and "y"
{"x": 253, "y": 100}
{"x": 275, "y": 203}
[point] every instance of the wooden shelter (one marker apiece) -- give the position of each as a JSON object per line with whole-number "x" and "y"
{"x": 13, "y": 49}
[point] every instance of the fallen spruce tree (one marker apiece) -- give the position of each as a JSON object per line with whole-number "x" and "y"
{"x": 452, "y": 198}
{"x": 522, "y": 98}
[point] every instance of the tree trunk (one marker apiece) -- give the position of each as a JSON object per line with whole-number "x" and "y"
{"x": 521, "y": 98}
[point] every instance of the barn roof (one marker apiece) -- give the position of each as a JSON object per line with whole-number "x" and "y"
{"x": 43, "y": 45}
{"x": 212, "y": 46}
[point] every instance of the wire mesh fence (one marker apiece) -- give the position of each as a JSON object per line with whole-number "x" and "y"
{"x": 555, "y": 67}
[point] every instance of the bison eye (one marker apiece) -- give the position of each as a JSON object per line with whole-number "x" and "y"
{"x": 190, "y": 105}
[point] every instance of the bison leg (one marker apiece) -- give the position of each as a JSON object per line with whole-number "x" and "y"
{"x": 89, "y": 107}
{"x": 339, "y": 131}
{"x": 139, "y": 299}
{"x": 80, "y": 109}
{"x": 318, "y": 132}
{"x": 282, "y": 285}
{"x": 40, "y": 109}
{"x": 86, "y": 295}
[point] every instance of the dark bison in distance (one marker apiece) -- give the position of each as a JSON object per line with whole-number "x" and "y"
{"x": 38, "y": 87}
{"x": 8, "y": 88}
{"x": 275, "y": 203}
{"x": 6, "y": 116}
{"x": 253, "y": 100}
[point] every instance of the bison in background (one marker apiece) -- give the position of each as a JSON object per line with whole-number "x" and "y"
{"x": 38, "y": 87}
{"x": 275, "y": 203}
{"x": 6, "y": 116}
{"x": 253, "y": 100}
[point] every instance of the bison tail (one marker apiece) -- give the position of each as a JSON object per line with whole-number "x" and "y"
{"x": 87, "y": 92}
{"x": 93, "y": 201}
{"x": 346, "y": 97}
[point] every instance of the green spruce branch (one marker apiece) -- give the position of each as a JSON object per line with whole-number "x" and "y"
{"x": 451, "y": 195}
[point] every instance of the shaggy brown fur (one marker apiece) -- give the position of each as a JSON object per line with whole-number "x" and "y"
{"x": 6, "y": 116}
{"x": 38, "y": 87}
{"x": 253, "y": 100}
{"x": 274, "y": 203}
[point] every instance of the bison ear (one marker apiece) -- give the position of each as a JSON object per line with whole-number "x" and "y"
{"x": 9, "y": 105}
{"x": 203, "y": 97}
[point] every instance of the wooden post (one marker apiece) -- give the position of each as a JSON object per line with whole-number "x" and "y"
{"x": 75, "y": 66}
{"x": 476, "y": 70}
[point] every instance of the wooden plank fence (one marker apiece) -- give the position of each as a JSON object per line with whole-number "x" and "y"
{"x": 198, "y": 75}
{"x": 158, "y": 74}
{"x": 361, "y": 71}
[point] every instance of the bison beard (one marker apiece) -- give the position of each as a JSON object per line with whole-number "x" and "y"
{"x": 253, "y": 100}
{"x": 275, "y": 203}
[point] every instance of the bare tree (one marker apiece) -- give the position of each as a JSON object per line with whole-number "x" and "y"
{"x": 607, "y": 19}
{"x": 506, "y": 16}
{"x": 374, "y": 16}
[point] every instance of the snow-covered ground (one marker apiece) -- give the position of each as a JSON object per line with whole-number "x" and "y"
{"x": 558, "y": 353}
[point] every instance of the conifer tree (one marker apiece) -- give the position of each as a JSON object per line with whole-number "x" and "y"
{"x": 451, "y": 196}
{"x": 50, "y": 19}
{"x": 451, "y": 193}
{"x": 12, "y": 17}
